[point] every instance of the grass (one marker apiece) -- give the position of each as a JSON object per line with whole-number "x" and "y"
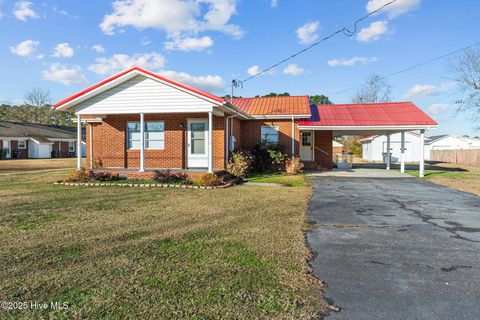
{"x": 115, "y": 253}
{"x": 454, "y": 176}
{"x": 280, "y": 178}
{"x": 12, "y": 166}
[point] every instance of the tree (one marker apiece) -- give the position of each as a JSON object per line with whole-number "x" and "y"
{"x": 37, "y": 98}
{"x": 273, "y": 94}
{"x": 320, "y": 99}
{"x": 376, "y": 89}
{"x": 466, "y": 71}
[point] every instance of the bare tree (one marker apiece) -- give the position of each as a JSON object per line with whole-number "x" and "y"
{"x": 376, "y": 89}
{"x": 466, "y": 70}
{"x": 37, "y": 98}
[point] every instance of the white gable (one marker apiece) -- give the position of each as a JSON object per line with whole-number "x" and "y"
{"x": 143, "y": 94}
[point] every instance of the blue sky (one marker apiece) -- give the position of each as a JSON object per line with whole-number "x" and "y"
{"x": 64, "y": 46}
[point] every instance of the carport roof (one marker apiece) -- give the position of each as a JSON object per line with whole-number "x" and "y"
{"x": 384, "y": 116}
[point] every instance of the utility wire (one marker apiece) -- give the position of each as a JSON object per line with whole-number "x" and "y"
{"x": 346, "y": 31}
{"x": 412, "y": 67}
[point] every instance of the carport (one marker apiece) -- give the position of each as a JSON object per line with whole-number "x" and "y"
{"x": 373, "y": 119}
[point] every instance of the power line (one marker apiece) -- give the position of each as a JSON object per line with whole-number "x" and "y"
{"x": 412, "y": 67}
{"x": 344, "y": 30}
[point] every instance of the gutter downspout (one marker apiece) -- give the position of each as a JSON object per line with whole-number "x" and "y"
{"x": 293, "y": 136}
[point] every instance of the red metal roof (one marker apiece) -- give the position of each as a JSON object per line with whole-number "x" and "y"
{"x": 274, "y": 106}
{"x": 370, "y": 114}
{"x": 135, "y": 68}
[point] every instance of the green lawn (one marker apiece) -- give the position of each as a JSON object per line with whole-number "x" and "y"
{"x": 453, "y": 176}
{"x": 280, "y": 178}
{"x": 114, "y": 253}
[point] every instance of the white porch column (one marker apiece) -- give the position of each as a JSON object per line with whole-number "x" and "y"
{"x": 388, "y": 151}
{"x": 421, "y": 171}
{"x": 90, "y": 144}
{"x": 79, "y": 142}
{"x": 293, "y": 137}
{"x": 210, "y": 142}
{"x": 402, "y": 152}
{"x": 142, "y": 143}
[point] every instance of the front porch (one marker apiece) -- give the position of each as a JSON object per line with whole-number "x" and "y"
{"x": 139, "y": 144}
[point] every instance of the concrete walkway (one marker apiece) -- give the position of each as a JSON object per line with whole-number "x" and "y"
{"x": 396, "y": 248}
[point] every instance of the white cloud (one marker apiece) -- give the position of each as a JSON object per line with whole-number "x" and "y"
{"x": 308, "y": 33}
{"x": 22, "y": 11}
{"x": 63, "y": 50}
{"x": 40, "y": 56}
{"x": 395, "y": 9}
{"x": 176, "y": 17}
{"x": 293, "y": 70}
{"x": 1, "y": 14}
{"x": 25, "y": 48}
{"x": 117, "y": 62}
{"x": 207, "y": 83}
{"x": 98, "y": 48}
{"x": 189, "y": 44}
{"x": 437, "y": 108}
{"x": 351, "y": 62}
{"x": 63, "y": 74}
{"x": 428, "y": 90}
{"x": 273, "y": 3}
{"x": 253, "y": 70}
{"x": 373, "y": 32}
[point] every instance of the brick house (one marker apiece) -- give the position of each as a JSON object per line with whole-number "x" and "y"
{"x": 137, "y": 122}
{"x": 33, "y": 141}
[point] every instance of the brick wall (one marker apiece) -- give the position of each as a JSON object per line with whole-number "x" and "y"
{"x": 251, "y": 133}
{"x": 109, "y": 142}
{"x": 21, "y": 153}
{"x": 61, "y": 146}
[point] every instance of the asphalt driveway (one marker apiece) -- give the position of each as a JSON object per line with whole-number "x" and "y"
{"x": 396, "y": 248}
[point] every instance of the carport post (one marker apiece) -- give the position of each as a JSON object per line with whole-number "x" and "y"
{"x": 421, "y": 171}
{"x": 388, "y": 151}
{"x": 402, "y": 152}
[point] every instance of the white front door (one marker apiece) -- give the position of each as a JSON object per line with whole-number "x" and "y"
{"x": 306, "y": 145}
{"x": 7, "y": 146}
{"x": 197, "y": 143}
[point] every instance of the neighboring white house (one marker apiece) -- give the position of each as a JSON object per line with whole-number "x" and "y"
{"x": 449, "y": 142}
{"x": 374, "y": 148}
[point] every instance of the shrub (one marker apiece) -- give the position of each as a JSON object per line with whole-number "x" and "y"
{"x": 169, "y": 177}
{"x": 294, "y": 165}
{"x": 239, "y": 164}
{"x": 78, "y": 176}
{"x": 97, "y": 163}
{"x": 105, "y": 176}
{"x": 268, "y": 155}
{"x": 208, "y": 180}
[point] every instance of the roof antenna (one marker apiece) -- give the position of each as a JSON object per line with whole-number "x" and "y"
{"x": 236, "y": 84}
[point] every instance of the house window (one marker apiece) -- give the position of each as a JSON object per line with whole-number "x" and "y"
{"x": 71, "y": 146}
{"x": 22, "y": 144}
{"x": 270, "y": 134}
{"x": 154, "y": 135}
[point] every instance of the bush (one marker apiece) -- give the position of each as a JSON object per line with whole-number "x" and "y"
{"x": 96, "y": 163}
{"x": 104, "y": 176}
{"x": 208, "y": 180}
{"x": 169, "y": 177}
{"x": 268, "y": 155}
{"x": 78, "y": 176}
{"x": 294, "y": 165}
{"x": 239, "y": 164}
